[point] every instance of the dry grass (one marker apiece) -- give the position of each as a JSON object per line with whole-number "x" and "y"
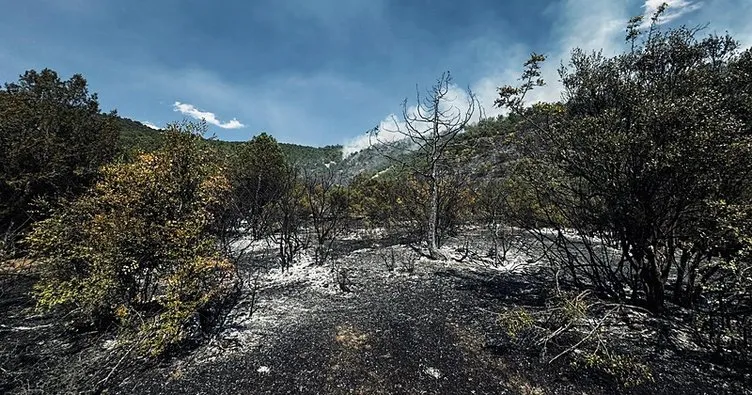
{"x": 17, "y": 266}
{"x": 350, "y": 337}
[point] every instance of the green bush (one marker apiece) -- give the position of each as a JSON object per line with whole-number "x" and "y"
{"x": 257, "y": 174}
{"x": 137, "y": 248}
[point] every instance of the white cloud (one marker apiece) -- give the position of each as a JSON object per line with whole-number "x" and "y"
{"x": 675, "y": 9}
{"x": 150, "y": 125}
{"x": 388, "y": 131}
{"x": 591, "y": 25}
{"x": 191, "y": 111}
{"x": 586, "y": 24}
{"x": 362, "y": 142}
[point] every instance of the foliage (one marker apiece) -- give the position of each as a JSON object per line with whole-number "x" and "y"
{"x": 311, "y": 157}
{"x": 138, "y": 248}
{"x": 401, "y": 201}
{"x": 642, "y": 146}
{"x": 515, "y": 321}
{"x": 257, "y": 172}
{"x": 379, "y": 200}
{"x": 135, "y": 137}
{"x": 53, "y": 139}
{"x": 627, "y": 371}
{"x": 574, "y": 327}
{"x": 724, "y": 322}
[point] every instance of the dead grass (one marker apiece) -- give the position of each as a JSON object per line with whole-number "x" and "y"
{"x": 17, "y": 266}
{"x": 350, "y": 337}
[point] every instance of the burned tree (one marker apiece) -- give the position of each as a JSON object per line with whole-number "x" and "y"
{"x": 288, "y": 219}
{"x": 328, "y": 205}
{"x": 430, "y": 127}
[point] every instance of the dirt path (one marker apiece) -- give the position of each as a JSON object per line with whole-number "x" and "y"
{"x": 394, "y": 333}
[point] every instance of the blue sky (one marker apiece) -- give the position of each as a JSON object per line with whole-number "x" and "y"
{"x": 312, "y": 72}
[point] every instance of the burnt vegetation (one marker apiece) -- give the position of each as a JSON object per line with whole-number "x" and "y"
{"x": 598, "y": 244}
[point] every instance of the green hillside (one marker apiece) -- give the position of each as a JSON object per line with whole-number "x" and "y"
{"x": 135, "y": 136}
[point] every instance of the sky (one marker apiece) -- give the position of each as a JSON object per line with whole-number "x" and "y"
{"x": 314, "y": 72}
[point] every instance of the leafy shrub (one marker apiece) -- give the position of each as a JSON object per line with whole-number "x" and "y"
{"x": 626, "y": 370}
{"x": 723, "y": 320}
{"x": 137, "y": 247}
{"x": 515, "y": 322}
{"x": 633, "y": 161}
{"x": 575, "y": 327}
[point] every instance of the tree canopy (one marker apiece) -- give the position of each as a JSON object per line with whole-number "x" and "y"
{"x": 642, "y": 151}
{"x": 53, "y": 140}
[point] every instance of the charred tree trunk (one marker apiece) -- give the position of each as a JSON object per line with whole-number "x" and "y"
{"x": 433, "y": 245}
{"x": 654, "y": 286}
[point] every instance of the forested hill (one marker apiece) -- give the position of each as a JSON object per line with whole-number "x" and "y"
{"x": 477, "y": 150}
{"x": 135, "y": 135}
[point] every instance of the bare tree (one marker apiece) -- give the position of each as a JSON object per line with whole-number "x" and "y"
{"x": 430, "y": 127}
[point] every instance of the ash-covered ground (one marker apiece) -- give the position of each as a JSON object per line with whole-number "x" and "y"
{"x": 358, "y": 325}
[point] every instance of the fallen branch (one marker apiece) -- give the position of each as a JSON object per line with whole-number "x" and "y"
{"x": 588, "y": 336}
{"x": 117, "y": 365}
{"x": 23, "y": 328}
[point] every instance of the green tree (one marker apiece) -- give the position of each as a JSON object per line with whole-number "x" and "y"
{"x": 135, "y": 138}
{"x": 382, "y": 200}
{"x": 53, "y": 139}
{"x": 257, "y": 173}
{"x": 138, "y": 246}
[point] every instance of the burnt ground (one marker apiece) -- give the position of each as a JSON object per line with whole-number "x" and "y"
{"x": 432, "y": 330}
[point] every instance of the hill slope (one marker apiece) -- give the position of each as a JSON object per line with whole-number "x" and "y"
{"x": 135, "y": 135}
{"x": 475, "y": 149}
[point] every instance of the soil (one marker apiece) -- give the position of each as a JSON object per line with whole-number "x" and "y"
{"x": 313, "y": 330}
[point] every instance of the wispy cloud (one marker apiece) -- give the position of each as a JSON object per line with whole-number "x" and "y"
{"x": 191, "y": 111}
{"x": 674, "y": 10}
{"x": 586, "y": 24}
